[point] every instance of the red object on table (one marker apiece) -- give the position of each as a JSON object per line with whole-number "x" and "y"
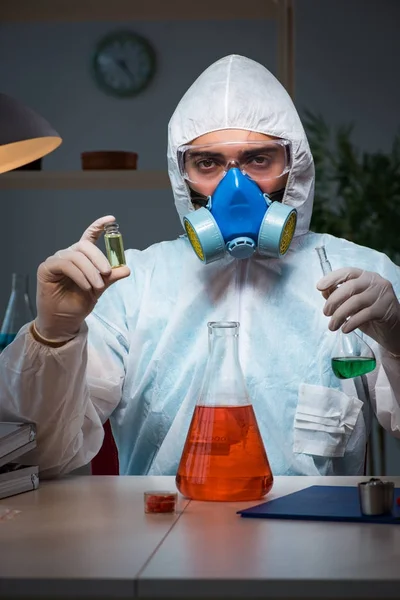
{"x": 106, "y": 461}
{"x": 160, "y": 502}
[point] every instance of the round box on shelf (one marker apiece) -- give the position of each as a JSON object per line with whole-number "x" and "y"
{"x": 108, "y": 160}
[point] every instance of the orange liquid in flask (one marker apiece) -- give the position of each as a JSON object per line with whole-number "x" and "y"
{"x": 224, "y": 458}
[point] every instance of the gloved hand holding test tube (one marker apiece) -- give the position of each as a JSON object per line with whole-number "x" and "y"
{"x": 351, "y": 355}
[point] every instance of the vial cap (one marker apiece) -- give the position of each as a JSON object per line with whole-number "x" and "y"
{"x": 111, "y": 227}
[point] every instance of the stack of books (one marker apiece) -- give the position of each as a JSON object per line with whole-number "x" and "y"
{"x": 16, "y": 439}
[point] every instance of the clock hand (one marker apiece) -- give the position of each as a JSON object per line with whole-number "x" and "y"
{"x": 122, "y": 64}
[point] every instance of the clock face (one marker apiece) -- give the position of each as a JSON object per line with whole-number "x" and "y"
{"x": 123, "y": 64}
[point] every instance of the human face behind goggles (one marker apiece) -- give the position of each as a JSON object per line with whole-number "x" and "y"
{"x": 205, "y": 161}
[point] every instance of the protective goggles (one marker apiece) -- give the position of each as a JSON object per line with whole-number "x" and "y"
{"x": 260, "y": 160}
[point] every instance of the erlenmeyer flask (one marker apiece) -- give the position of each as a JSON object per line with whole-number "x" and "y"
{"x": 351, "y": 355}
{"x": 18, "y": 312}
{"x": 224, "y": 458}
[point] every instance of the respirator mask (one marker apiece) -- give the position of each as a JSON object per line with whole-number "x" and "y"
{"x": 238, "y": 217}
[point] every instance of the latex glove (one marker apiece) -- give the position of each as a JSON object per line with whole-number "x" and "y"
{"x": 370, "y": 302}
{"x": 70, "y": 282}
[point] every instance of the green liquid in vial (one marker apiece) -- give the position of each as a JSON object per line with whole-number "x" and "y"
{"x": 115, "y": 249}
{"x": 346, "y": 368}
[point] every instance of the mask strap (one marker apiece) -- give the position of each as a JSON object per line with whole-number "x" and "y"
{"x": 277, "y": 196}
{"x": 197, "y": 198}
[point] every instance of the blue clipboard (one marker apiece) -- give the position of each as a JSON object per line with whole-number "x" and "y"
{"x": 320, "y": 503}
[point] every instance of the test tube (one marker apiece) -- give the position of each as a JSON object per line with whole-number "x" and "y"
{"x": 323, "y": 259}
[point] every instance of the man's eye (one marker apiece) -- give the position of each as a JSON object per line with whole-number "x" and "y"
{"x": 260, "y": 160}
{"x": 206, "y": 163}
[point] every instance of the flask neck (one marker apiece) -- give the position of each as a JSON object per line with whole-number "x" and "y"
{"x": 223, "y": 382}
{"x": 224, "y": 348}
{"x": 19, "y": 283}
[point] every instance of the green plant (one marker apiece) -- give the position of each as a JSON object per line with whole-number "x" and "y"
{"x": 357, "y": 194}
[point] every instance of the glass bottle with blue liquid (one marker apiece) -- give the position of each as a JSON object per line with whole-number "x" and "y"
{"x": 18, "y": 312}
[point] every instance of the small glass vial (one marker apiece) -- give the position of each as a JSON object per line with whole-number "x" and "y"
{"x": 114, "y": 245}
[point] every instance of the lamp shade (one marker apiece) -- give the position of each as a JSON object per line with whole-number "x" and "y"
{"x": 24, "y": 135}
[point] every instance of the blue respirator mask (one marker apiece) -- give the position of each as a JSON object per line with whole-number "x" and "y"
{"x": 240, "y": 219}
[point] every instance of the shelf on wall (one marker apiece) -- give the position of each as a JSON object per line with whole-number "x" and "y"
{"x": 85, "y": 180}
{"x": 121, "y": 10}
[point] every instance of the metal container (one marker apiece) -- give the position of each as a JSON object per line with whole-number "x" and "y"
{"x": 376, "y": 497}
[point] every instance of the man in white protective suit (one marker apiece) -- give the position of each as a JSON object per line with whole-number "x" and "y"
{"x": 130, "y": 343}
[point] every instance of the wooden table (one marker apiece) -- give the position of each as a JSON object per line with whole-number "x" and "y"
{"x": 88, "y": 537}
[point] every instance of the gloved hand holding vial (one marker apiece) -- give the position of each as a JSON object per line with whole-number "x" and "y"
{"x": 70, "y": 283}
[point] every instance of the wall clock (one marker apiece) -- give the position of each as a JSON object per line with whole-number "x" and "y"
{"x": 123, "y": 63}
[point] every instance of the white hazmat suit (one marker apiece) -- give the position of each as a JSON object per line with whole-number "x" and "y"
{"x": 140, "y": 357}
